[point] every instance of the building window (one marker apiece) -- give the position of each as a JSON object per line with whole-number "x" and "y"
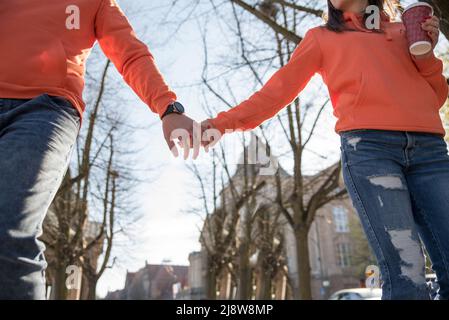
{"x": 343, "y": 255}
{"x": 340, "y": 220}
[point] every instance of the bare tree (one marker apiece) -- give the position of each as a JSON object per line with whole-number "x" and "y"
{"x": 220, "y": 226}
{"x": 76, "y": 232}
{"x": 270, "y": 251}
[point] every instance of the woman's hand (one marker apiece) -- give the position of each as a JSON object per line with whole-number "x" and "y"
{"x": 209, "y": 135}
{"x": 432, "y": 26}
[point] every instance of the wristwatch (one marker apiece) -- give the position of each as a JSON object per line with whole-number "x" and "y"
{"x": 175, "y": 107}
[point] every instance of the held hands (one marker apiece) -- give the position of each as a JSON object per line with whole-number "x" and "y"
{"x": 210, "y": 135}
{"x": 189, "y": 134}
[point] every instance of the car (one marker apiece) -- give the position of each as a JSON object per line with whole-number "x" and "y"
{"x": 357, "y": 294}
{"x": 376, "y": 293}
{"x": 433, "y": 285}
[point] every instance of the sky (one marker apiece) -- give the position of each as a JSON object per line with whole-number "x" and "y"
{"x": 168, "y": 231}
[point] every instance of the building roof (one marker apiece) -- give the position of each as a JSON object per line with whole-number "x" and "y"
{"x": 154, "y": 281}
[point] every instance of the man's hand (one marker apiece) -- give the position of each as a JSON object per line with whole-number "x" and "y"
{"x": 182, "y": 128}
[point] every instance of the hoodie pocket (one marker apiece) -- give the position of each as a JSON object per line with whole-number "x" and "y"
{"x": 38, "y": 59}
{"x": 361, "y": 95}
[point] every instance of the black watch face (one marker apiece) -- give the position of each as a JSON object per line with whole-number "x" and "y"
{"x": 178, "y": 107}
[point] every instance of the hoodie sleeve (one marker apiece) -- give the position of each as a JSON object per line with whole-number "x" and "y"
{"x": 280, "y": 90}
{"x": 131, "y": 57}
{"x": 431, "y": 68}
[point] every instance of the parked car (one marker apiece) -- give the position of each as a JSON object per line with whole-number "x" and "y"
{"x": 357, "y": 294}
{"x": 376, "y": 294}
{"x": 432, "y": 282}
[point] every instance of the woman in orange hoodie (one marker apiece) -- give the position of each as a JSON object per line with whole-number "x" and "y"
{"x": 394, "y": 157}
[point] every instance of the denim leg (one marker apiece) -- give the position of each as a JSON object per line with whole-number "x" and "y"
{"x": 36, "y": 141}
{"x": 428, "y": 181}
{"x": 372, "y": 163}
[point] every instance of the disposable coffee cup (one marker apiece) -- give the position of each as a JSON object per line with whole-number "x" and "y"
{"x": 418, "y": 40}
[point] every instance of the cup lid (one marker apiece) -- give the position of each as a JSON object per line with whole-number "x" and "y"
{"x": 417, "y": 4}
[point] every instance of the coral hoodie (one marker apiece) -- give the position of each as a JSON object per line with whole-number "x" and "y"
{"x": 373, "y": 81}
{"x": 41, "y": 55}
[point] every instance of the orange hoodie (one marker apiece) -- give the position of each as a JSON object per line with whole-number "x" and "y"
{"x": 41, "y": 55}
{"x": 373, "y": 81}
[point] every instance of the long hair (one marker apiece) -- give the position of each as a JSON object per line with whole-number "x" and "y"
{"x": 335, "y": 21}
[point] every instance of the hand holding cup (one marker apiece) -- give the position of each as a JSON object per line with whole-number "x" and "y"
{"x": 422, "y": 28}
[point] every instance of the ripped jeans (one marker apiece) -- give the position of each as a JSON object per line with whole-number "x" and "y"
{"x": 398, "y": 182}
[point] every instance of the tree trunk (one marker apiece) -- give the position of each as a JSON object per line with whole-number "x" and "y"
{"x": 59, "y": 288}
{"x": 92, "y": 289}
{"x": 211, "y": 284}
{"x": 264, "y": 286}
{"x": 264, "y": 277}
{"x": 304, "y": 292}
{"x": 244, "y": 280}
{"x": 89, "y": 286}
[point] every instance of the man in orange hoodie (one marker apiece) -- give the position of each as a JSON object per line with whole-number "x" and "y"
{"x": 45, "y": 45}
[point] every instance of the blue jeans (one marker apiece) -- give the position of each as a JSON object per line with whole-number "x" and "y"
{"x": 398, "y": 182}
{"x": 36, "y": 141}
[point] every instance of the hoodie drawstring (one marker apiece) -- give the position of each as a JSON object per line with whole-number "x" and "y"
{"x": 356, "y": 21}
{"x": 388, "y": 34}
